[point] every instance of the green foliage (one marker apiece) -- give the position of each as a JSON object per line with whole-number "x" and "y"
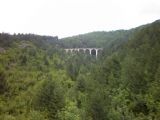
{"x": 69, "y": 112}
{"x": 97, "y": 39}
{"x": 39, "y": 81}
{"x": 50, "y": 97}
{"x": 3, "y": 83}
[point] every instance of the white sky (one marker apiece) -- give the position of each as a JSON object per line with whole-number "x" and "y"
{"x": 71, "y": 17}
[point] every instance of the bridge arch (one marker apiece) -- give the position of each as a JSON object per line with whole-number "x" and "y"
{"x": 87, "y": 51}
{"x": 81, "y": 51}
{"x": 93, "y": 52}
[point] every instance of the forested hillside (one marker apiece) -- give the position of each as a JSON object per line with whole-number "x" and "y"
{"x": 39, "y": 81}
{"x": 96, "y": 39}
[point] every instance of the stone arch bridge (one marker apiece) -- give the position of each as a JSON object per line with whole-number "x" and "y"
{"x": 91, "y": 51}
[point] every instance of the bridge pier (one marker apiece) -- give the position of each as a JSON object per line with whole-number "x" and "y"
{"x": 96, "y": 52}
{"x": 71, "y": 50}
{"x": 90, "y": 51}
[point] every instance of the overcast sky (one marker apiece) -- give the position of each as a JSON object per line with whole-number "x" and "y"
{"x": 71, "y": 17}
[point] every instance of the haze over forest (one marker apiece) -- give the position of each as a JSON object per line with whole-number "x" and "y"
{"x": 114, "y": 76}
{"x": 40, "y": 81}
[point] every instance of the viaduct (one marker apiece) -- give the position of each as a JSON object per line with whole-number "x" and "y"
{"x": 91, "y": 51}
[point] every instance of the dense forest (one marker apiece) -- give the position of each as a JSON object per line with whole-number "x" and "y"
{"x": 40, "y": 81}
